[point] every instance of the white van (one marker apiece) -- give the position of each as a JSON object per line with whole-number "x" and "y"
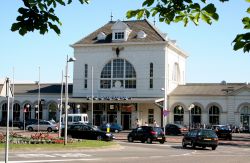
{"x": 74, "y": 118}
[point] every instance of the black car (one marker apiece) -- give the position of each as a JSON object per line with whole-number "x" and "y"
{"x": 200, "y": 137}
{"x": 114, "y": 127}
{"x": 223, "y": 131}
{"x": 27, "y": 122}
{"x": 83, "y": 131}
{"x": 147, "y": 133}
{"x": 175, "y": 129}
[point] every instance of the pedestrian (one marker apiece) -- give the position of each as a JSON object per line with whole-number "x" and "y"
{"x": 155, "y": 124}
{"x": 137, "y": 124}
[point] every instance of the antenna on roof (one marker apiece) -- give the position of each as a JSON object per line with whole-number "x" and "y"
{"x": 154, "y": 21}
{"x": 111, "y": 17}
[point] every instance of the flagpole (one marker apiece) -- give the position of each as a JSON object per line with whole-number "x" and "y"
{"x": 60, "y": 111}
{"x": 13, "y": 88}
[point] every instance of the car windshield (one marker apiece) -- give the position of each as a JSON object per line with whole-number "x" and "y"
{"x": 158, "y": 129}
{"x": 207, "y": 133}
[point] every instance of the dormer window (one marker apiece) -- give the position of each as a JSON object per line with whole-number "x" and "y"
{"x": 120, "y": 31}
{"x": 141, "y": 34}
{"x": 101, "y": 36}
{"x": 119, "y": 35}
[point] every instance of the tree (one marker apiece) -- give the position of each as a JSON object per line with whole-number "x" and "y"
{"x": 39, "y": 15}
{"x": 186, "y": 10}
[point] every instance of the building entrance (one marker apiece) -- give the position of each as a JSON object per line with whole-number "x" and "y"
{"x": 126, "y": 120}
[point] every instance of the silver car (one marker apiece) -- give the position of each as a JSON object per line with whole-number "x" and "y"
{"x": 43, "y": 126}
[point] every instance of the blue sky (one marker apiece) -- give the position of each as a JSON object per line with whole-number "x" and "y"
{"x": 211, "y": 56}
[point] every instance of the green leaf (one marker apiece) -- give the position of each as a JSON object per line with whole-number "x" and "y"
{"x": 185, "y": 20}
{"x": 147, "y": 3}
{"x": 248, "y": 10}
{"x": 15, "y": 27}
{"x": 206, "y": 18}
{"x": 210, "y": 8}
{"x": 61, "y": 2}
{"x": 140, "y": 14}
{"x": 179, "y": 18}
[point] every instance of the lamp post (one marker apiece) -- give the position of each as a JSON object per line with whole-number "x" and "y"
{"x": 189, "y": 109}
{"x": 72, "y": 59}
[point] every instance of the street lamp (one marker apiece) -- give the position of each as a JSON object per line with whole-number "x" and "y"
{"x": 71, "y": 59}
{"x": 189, "y": 109}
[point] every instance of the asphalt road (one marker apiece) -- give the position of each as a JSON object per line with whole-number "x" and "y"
{"x": 137, "y": 152}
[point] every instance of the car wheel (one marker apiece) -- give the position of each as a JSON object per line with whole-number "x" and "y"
{"x": 149, "y": 140}
{"x": 30, "y": 129}
{"x": 130, "y": 139}
{"x": 99, "y": 138}
{"x": 192, "y": 145}
{"x": 183, "y": 144}
{"x": 143, "y": 141}
{"x": 203, "y": 147}
{"x": 230, "y": 138}
{"x": 21, "y": 127}
{"x": 162, "y": 141}
{"x": 116, "y": 131}
{"x": 49, "y": 129}
{"x": 214, "y": 147}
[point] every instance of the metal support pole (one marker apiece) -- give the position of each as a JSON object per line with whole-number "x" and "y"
{"x": 92, "y": 95}
{"x": 7, "y": 128}
{"x": 39, "y": 100}
{"x": 60, "y": 107}
{"x": 66, "y": 104}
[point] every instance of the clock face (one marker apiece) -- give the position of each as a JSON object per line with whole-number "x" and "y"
{"x": 117, "y": 84}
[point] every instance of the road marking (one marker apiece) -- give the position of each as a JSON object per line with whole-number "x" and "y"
{"x": 63, "y": 155}
{"x": 66, "y": 160}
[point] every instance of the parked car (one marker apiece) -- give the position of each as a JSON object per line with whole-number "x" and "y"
{"x": 83, "y": 131}
{"x": 43, "y": 126}
{"x": 147, "y": 133}
{"x": 114, "y": 127}
{"x": 175, "y": 129}
{"x": 27, "y": 122}
{"x": 200, "y": 137}
{"x": 223, "y": 131}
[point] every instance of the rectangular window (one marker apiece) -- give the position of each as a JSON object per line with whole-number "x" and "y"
{"x": 150, "y": 116}
{"x": 151, "y": 70}
{"x": 119, "y": 35}
{"x": 86, "y": 76}
{"x": 85, "y": 83}
{"x": 105, "y": 84}
{"x": 130, "y": 83}
{"x": 150, "y": 83}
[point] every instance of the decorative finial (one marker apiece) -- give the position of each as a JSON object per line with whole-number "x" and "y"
{"x": 154, "y": 20}
{"x": 111, "y": 17}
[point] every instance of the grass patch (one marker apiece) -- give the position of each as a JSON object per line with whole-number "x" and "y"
{"x": 76, "y": 145}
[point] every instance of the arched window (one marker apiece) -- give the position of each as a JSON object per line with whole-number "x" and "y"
{"x": 4, "y": 112}
{"x": 214, "y": 115}
{"x": 52, "y": 111}
{"x": 178, "y": 114}
{"x": 16, "y": 112}
{"x": 196, "y": 116}
{"x": 176, "y": 73}
{"x": 27, "y": 111}
{"x": 245, "y": 116}
{"x": 118, "y": 73}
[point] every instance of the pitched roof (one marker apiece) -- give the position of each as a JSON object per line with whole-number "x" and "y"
{"x": 153, "y": 34}
{"x": 207, "y": 89}
{"x": 44, "y": 88}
